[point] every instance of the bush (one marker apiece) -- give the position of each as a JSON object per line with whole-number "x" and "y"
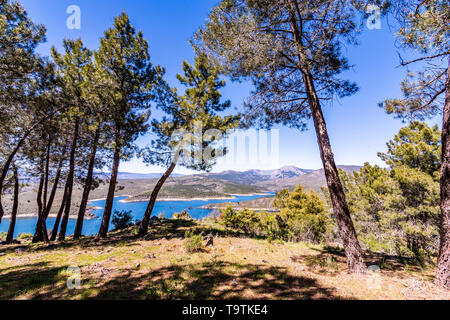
{"x": 192, "y": 242}
{"x": 3, "y": 236}
{"x": 246, "y": 221}
{"x": 305, "y": 216}
{"x": 122, "y": 220}
{"x": 184, "y": 215}
{"x": 273, "y": 226}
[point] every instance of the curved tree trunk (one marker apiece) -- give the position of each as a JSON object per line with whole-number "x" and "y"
{"x": 87, "y": 187}
{"x": 343, "y": 219}
{"x": 103, "y": 232}
{"x": 443, "y": 265}
{"x": 146, "y": 220}
{"x": 70, "y": 181}
{"x": 12, "y": 223}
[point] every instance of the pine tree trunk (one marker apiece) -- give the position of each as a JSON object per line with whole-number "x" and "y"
{"x": 5, "y": 170}
{"x": 443, "y": 266}
{"x": 59, "y": 215}
{"x": 103, "y": 232}
{"x": 146, "y": 220}
{"x": 343, "y": 219}
{"x": 70, "y": 181}
{"x": 87, "y": 187}
{"x": 12, "y": 223}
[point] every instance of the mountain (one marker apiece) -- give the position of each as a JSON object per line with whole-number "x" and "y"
{"x": 192, "y": 187}
{"x": 134, "y": 176}
{"x": 257, "y": 176}
{"x": 315, "y": 179}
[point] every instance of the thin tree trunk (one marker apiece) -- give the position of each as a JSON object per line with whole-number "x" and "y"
{"x": 443, "y": 265}
{"x": 103, "y": 232}
{"x": 10, "y": 158}
{"x": 58, "y": 216}
{"x": 87, "y": 187}
{"x": 70, "y": 181}
{"x": 12, "y": 223}
{"x": 47, "y": 168}
{"x": 5, "y": 170}
{"x": 146, "y": 220}
{"x": 41, "y": 231}
{"x": 36, "y": 237}
{"x": 344, "y": 221}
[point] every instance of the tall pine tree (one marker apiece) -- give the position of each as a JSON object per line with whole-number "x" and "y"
{"x": 191, "y": 127}
{"x": 291, "y": 50}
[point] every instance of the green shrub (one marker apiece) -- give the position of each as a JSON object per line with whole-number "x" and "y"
{"x": 303, "y": 217}
{"x": 246, "y": 221}
{"x": 273, "y": 226}
{"x": 184, "y": 215}
{"x": 122, "y": 220}
{"x": 192, "y": 242}
{"x": 3, "y": 236}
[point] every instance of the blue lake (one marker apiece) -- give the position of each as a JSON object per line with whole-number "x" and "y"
{"x": 91, "y": 227}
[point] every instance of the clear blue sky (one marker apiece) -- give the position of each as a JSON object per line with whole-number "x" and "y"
{"x": 357, "y": 126}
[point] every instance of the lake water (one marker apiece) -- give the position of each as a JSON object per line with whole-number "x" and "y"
{"x": 91, "y": 227}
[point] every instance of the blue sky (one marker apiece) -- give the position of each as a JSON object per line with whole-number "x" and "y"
{"x": 358, "y": 128}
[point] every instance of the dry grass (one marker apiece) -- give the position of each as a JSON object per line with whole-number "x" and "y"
{"x": 123, "y": 267}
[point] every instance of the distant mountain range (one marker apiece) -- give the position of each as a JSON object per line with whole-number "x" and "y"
{"x": 284, "y": 178}
{"x": 258, "y": 176}
{"x": 269, "y": 180}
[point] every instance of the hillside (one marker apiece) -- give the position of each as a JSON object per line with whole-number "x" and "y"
{"x": 258, "y": 176}
{"x": 237, "y": 267}
{"x": 190, "y": 187}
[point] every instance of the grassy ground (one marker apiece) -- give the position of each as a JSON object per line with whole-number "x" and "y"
{"x": 158, "y": 267}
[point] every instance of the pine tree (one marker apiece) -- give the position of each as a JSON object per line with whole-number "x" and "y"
{"x": 72, "y": 78}
{"x": 21, "y": 72}
{"x": 425, "y": 27}
{"x": 191, "y": 118}
{"x": 128, "y": 81}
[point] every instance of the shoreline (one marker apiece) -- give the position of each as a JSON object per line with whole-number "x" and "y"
{"x": 88, "y": 216}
